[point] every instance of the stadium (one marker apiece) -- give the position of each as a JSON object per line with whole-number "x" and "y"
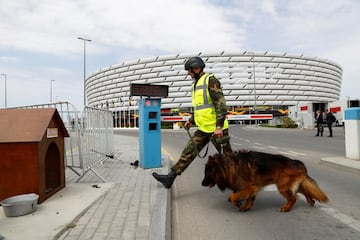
{"x": 252, "y": 82}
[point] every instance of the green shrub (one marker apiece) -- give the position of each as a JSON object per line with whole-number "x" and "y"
{"x": 287, "y": 122}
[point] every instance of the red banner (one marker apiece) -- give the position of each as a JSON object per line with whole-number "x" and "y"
{"x": 304, "y": 108}
{"x": 335, "y": 109}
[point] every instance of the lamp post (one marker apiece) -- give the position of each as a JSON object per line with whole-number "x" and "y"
{"x": 84, "y": 40}
{"x": 51, "y": 81}
{"x": 3, "y": 74}
{"x": 253, "y": 67}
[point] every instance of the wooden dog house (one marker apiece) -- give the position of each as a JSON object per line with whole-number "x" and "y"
{"x": 31, "y": 152}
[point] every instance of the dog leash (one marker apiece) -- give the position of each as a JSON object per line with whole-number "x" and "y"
{"x": 193, "y": 142}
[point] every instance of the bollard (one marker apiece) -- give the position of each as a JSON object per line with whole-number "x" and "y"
{"x": 352, "y": 133}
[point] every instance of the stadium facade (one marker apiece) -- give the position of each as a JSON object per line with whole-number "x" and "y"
{"x": 249, "y": 79}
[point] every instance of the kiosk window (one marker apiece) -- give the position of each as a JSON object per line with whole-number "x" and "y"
{"x": 152, "y": 126}
{"x": 152, "y": 115}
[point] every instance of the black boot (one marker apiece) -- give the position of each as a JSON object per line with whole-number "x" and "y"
{"x": 166, "y": 180}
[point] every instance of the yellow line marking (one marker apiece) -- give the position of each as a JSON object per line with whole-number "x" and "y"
{"x": 164, "y": 151}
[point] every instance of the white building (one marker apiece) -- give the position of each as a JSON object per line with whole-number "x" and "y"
{"x": 275, "y": 80}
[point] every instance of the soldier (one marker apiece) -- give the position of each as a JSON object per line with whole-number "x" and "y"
{"x": 209, "y": 116}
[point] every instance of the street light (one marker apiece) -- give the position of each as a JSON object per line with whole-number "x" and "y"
{"x": 253, "y": 66}
{"x": 51, "y": 81}
{"x": 85, "y": 40}
{"x": 253, "y": 63}
{"x": 3, "y": 74}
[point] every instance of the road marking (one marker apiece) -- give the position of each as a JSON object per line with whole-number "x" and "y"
{"x": 238, "y": 144}
{"x": 258, "y": 147}
{"x": 270, "y": 188}
{"x": 297, "y": 153}
{"x": 273, "y": 147}
{"x": 347, "y": 220}
{"x": 289, "y": 153}
{"x": 292, "y": 153}
{"x": 164, "y": 151}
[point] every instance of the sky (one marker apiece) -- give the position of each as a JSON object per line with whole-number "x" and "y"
{"x": 43, "y": 59}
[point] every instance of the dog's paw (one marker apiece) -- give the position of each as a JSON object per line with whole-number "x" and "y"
{"x": 283, "y": 209}
{"x": 244, "y": 209}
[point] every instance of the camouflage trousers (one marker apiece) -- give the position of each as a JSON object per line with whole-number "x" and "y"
{"x": 199, "y": 141}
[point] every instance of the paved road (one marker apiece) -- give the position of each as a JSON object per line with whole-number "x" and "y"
{"x": 201, "y": 213}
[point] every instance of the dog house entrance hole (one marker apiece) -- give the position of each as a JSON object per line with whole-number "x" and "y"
{"x": 52, "y": 168}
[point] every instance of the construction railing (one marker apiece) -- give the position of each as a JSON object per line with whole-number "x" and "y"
{"x": 91, "y": 138}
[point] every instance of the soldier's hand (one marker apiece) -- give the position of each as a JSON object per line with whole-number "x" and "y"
{"x": 187, "y": 125}
{"x": 218, "y": 132}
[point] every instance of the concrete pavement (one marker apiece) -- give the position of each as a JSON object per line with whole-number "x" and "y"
{"x": 130, "y": 205}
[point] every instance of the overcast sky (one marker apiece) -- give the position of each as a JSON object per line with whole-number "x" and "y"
{"x": 39, "y": 38}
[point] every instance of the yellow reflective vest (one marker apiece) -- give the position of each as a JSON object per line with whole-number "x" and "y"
{"x": 204, "y": 110}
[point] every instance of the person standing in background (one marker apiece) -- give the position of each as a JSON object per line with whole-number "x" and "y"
{"x": 319, "y": 123}
{"x": 330, "y": 119}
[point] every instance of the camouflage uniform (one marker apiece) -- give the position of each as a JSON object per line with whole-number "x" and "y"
{"x": 201, "y": 138}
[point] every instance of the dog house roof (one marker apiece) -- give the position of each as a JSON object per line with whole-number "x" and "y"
{"x": 29, "y": 125}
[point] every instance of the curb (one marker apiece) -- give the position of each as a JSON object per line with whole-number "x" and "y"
{"x": 160, "y": 227}
{"x": 342, "y": 163}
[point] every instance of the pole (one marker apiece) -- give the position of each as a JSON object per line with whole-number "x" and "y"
{"x": 84, "y": 40}
{"x": 3, "y": 74}
{"x": 51, "y": 81}
{"x": 253, "y": 63}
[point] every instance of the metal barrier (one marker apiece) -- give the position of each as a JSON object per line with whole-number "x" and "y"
{"x": 97, "y": 138}
{"x": 91, "y": 138}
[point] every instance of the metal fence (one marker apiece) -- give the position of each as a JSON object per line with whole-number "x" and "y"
{"x": 91, "y": 138}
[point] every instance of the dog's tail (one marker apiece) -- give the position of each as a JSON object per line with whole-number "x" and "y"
{"x": 310, "y": 188}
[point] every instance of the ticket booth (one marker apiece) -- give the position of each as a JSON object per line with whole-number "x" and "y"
{"x": 32, "y": 152}
{"x": 149, "y": 122}
{"x": 149, "y": 132}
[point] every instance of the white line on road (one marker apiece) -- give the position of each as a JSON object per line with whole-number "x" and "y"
{"x": 288, "y": 153}
{"x": 297, "y": 153}
{"x": 238, "y": 144}
{"x": 273, "y": 147}
{"x": 270, "y": 188}
{"x": 258, "y": 147}
{"x": 347, "y": 220}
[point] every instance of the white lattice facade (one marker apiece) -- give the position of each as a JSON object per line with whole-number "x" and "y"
{"x": 280, "y": 79}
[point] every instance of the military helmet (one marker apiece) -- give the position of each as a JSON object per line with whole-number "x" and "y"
{"x": 194, "y": 62}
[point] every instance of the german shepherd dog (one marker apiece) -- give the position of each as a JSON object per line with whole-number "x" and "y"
{"x": 246, "y": 172}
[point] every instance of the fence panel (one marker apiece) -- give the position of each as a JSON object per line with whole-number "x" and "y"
{"x": 91, "y": 138}
{"x": 97, "y": 138}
